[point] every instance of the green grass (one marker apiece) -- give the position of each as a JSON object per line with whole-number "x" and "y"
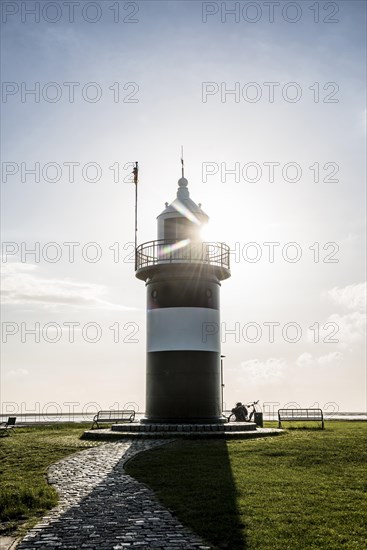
{"x": 300, "y": 491}
{"x": 24, "y": 457}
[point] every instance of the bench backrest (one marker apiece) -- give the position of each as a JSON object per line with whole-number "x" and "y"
{"x": 115, "y": 415}
{"x": 311, "y": 414}
{"x": 11, "y": 420}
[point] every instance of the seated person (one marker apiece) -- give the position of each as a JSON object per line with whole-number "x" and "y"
{"x": 240, "y": 413}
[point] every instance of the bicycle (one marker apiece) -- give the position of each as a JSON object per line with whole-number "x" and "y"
{"x": 241, "y": 413}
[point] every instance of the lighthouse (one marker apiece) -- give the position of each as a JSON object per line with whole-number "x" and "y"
{"x": 183, "y": 277}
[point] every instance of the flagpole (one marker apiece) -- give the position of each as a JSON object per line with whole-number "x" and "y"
{"x": 135, "y": 172}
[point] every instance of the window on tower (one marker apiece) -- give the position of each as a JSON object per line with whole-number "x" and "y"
{"x": 179, "y": 229}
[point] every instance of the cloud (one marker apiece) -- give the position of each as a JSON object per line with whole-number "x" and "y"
{"x": 17, "y": 373}
{"x": 22, "y": 285}
{"x": 271, "y": 369}
{"x": 351, "y": 327}
{"x": 351, "y": 296}
{"x": 308, "y": 360}
{"x": 9, "y": 268}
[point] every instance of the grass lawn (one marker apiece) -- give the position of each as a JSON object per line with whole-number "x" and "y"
{"x": 24, "y": 458}
{"x": 299, "y": 491}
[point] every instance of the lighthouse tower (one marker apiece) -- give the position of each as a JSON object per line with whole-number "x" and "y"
{"x": 183, "y": 276}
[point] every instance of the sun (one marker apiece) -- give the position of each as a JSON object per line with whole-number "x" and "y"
{"x": 218, "y": 229}
{"x": 208, "y": 233}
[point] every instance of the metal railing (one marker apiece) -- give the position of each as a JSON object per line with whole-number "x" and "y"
{"x": 175, "y": 251}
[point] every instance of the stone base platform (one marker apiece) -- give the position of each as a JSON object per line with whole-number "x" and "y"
{"x": 155, "y": 427}
{"x": 231, "y": 430}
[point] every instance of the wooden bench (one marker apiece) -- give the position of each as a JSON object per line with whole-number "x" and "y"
{"x": 113, "y": 417}
{"x": 300, "y": 415}
{"x": 9, "y": 425}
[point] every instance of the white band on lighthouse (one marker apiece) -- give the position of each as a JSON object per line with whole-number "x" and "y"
{"x": 183, "y": 328}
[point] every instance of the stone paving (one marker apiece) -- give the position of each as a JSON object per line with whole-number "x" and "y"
{"x": 101, "y": 507}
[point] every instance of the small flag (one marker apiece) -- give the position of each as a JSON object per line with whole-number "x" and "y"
{"x": 135, "y": 172}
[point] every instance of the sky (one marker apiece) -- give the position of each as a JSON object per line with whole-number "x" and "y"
{"x": 270, "y": 108}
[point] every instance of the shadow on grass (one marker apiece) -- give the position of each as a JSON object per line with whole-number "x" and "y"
{"x": 194, "y": 478}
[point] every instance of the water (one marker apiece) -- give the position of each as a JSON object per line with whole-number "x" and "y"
{"x": 30, "y": 418}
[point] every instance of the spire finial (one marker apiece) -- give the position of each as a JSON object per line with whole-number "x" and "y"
{"x": 182, "y": 182}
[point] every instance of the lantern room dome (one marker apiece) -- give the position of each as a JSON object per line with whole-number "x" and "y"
{"x": 182, "y": 218}
{"x": 183, "y": 197}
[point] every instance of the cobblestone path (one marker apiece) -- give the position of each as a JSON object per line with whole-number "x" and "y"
{"x": 101, "y": 507}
